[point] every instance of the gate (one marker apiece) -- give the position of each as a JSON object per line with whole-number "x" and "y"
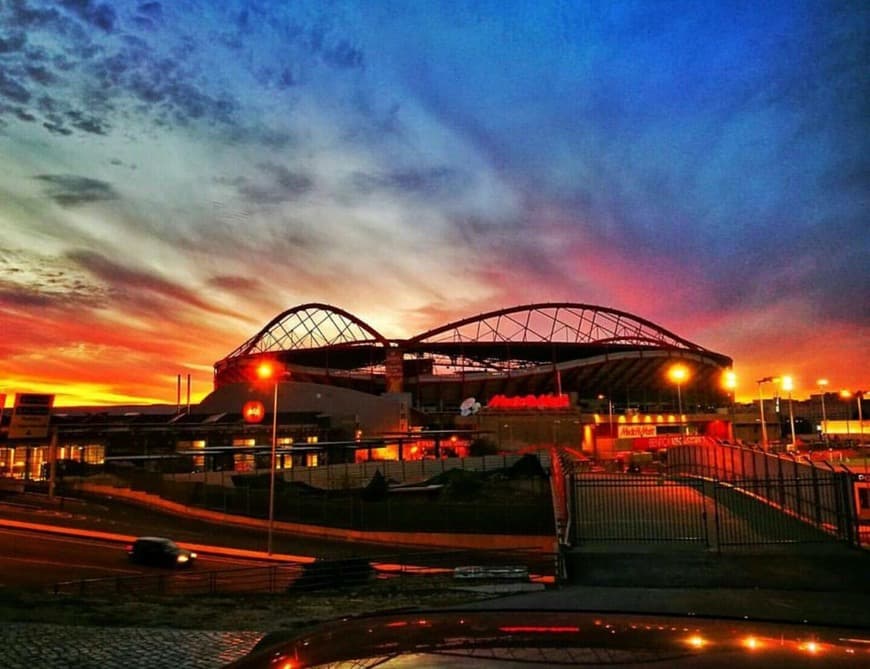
{"x": 708, "y": 513}
{"x": 636, "y": 508}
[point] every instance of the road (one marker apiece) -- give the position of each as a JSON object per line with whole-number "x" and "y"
{"x": 111, "y": 515}
{"x": 32, "y": 559}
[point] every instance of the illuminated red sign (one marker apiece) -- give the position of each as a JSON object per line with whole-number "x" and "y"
{"x": 529, "y": 402}
{"x": 253, "y": 411}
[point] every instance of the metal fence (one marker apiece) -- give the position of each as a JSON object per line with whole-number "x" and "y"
{"x": 627, "y": 508}
{"x": 704, "y": 512}
{"x": 357, "y": 474}
{"x": 408, "y": 572}
{"x": 518, "y": 506}
{"x": 814, "y": 493}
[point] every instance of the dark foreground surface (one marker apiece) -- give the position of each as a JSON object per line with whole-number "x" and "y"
{"x": 813, "y": 587}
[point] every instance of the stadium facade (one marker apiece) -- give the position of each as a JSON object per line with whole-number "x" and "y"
{"x": 559, "y": 348}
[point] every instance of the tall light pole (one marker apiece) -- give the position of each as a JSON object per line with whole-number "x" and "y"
{"x": 729, "y": 380}
{"x": 860, "y": 395}
{"x": 823, "y": 383}
{"x": 847, "y": 395}
{"x": 761, "y": 382}
{"x": 609, "y": 415}
{"x": 788, "y": 386}
{"x": 678, "y": 374}
{"x": 270, "y": 371}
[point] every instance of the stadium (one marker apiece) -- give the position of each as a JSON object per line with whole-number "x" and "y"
{"x": 580, "y": 351}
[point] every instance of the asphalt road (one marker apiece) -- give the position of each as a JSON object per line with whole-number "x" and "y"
{"x": 32, "y": 559}
{"x": 109, "y": 515}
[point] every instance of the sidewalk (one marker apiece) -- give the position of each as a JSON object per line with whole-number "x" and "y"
{"x": 28, "y": 645}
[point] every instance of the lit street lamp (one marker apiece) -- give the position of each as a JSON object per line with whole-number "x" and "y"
{"x": 822, "y": 383}
{"x": 729, "y": 380}
{"x": 788, "y": 386}
{"x": 268, "y": 371}
{"x": 761, "y": 382}
{"x": 847, "y": 395}
{"x": 609, "y": 415}
{"x": 678, "y": 374}
{"x": 859, "y": 394}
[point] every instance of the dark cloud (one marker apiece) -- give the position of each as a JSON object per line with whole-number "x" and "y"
{"x": 237, "y": 284}
{"x": 281, "y": 185}
{"x": 70, "y": 190}
{"x": 127, "y": 282}
{"x": 343, "y": 55}
{"x": 56, "y": 129}
{"x": 152, "y": 10}
{"x": 100, "y": 15}
{"x": 14, "y": 41}
{"x": 86, "y": 123}
{"x": 20, "y": 14}
{"x": 48, "y": 282}
{"x": 40, "y": 74}
{"x": 24, "y": 116}
{"x": 12, "y": 89}
{"x": 149, "y": 15}
{"x": 419, "y": 181}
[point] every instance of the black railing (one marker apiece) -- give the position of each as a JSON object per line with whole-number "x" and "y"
{"x": 516, "y": 507}
{"x": 816, "y": 494}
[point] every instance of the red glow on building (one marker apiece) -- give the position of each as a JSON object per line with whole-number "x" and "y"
{"x": 253, "y": 411}
{"x": 529, "y": 402}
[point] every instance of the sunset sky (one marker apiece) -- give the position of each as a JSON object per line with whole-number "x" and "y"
{"x": 175, "y": 174}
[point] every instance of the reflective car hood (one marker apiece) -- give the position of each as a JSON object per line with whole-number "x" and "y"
{"x": 553, "y": 638}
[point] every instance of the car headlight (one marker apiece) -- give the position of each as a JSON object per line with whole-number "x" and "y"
{"x": 182, "y": 558}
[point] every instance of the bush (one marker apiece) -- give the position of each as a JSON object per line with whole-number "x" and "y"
{"x": 322, "y": 574}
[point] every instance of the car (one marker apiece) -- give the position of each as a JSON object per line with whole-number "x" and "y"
{"x": 160, "y": 552}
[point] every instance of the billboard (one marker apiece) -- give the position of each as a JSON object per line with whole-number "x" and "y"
{"x": 31, "y": 415}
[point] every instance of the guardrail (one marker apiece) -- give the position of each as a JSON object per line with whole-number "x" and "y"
{"x": 814, "y": 492}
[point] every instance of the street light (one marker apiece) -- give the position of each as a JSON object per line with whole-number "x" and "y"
{"x": 822, "y": 384}
{"x": 609, "y": 415}
{"x": 729, "y": 380}
{"x": 847, "y": 395}
{"x": 678, "y": 374}
{"x": 761, "y": 382}
{"x": 859, "y": 394}
{"x": 788, "y": 386}
{"x": 269, "y": 371}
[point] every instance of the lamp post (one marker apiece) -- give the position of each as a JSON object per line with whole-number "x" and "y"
{"x": 846, "y": 395}
{"x": 730, "y": 382}
{"x": 678, "y": 374}
{"x": 761, "y": 382}
{"x": 822, "y": 383}
{"x": 788, "y": 386}
{"x": 859, "y": 394}
{"x": 268, "y": 371}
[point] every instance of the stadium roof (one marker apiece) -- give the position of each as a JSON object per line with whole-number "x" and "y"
{"x": 528, "y": 349}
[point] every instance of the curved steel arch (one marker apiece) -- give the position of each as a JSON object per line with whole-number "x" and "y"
{"x": 310, "y": 326}
{"x": 556, "y": 322}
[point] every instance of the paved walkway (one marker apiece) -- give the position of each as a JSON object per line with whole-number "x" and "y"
{"x": 29, "y": 645}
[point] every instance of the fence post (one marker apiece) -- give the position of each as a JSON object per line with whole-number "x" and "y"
{"x": 817, "y": 499}
{"x": 797, "y": 488}
{"x": 847, "y": 489}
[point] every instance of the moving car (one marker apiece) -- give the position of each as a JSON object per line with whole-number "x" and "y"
{"x": 159, "y": 552}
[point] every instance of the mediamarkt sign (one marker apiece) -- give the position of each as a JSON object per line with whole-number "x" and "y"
{"x": 635, "y": 431}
